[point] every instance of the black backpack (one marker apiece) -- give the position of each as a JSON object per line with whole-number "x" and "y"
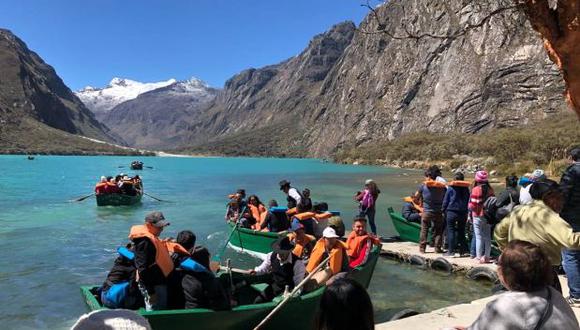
{"x": 490, "y": 210}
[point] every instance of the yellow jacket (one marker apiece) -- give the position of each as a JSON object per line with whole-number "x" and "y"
{"x": 538, "y": 224}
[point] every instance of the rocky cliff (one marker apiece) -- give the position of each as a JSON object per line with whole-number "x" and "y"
{"x": 35, "y": 103}
{"x": 416, "y": 65}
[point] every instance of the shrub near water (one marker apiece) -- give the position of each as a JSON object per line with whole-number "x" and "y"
{"x": 518, "y": 149}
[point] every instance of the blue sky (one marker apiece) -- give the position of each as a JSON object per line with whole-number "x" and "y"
{"x": 89, "y": 42}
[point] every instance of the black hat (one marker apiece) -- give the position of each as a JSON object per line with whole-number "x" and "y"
{"x": 157, "y": 219}
{"x": 283, "y": 184}
{"x": 282, "y": 244}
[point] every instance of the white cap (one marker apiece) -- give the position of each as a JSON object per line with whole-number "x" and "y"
{"x": 103, "y": 178}
{"x": 329, "y": 232}
{"x": 112, "y": 319}
{"x": 369, "y": 181}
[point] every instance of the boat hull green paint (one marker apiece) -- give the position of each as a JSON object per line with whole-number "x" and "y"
{"x": 410, "y": 231}
{"x": 255, "y": 243}
{"x": 117, "y": 199}
{"x": 299, "y": 313}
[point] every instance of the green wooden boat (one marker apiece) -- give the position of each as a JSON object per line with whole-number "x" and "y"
{"x": 410, "y": 231}
{"x": 255, "y": 243}
{"x": 299, "y": 313}
{"x": 117, "y": 199}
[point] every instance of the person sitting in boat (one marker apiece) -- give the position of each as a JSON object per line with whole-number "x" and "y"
{"x": 120, "y": 289}
{"x": 201, "y": 288}
{"x": 303, "y": 243}
{"x": 305, "y": 204}
{"x": 360, "y": 243}
{"x": 101, "y": 187}
{"x": 112, "y": 187}
{"x": 137, "y": 184}
{"x": 179, "y": 252}
{"x": 127, "y": 186}
{"x": 412, "y": 208}
{"x": 152, "y": 260}
{"x": 240, "y": 197}
{"x": 329, "y": 244}
{"x": 286, "y": 268}
{"x": 233, "y": 211}
{"x": 293, "y": 196}
{"x": 276, "y": 219}
{"x": 258, "y": 211}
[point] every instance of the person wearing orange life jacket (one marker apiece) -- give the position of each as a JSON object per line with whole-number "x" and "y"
{"x": 432, "y": 193}
{"x": 412, "y": 208}
{"x": 101, "y": 187}
{"x": 303, "y": 243}
{"x": 329, "y": 244}
{"x": 455, "y": 210}
{"x": 257, "y": 210}
{"x": 360, "y": 243}
{"x": 152, "y": 260}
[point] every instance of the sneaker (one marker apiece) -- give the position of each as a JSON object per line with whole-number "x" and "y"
{"x": 439, "y": 250}
{"x": 574, "y": 302}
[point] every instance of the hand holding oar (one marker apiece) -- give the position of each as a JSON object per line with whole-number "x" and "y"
{"x": 155, "y": 198}
{"x": 287, "y": 298}
{"x": 215, "y": 263}
{"x": 82, "y": 198}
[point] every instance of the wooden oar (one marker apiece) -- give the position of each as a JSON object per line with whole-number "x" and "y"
{"x": 236, "y": 270}
{"x": 155, "y": 198}
{"x": 215, "y": 263}
{"x": 82, "y": 198}
{"x": 287, "y": 298}
{"x": 151, "y": 167}
{"x": 121, "y": 166}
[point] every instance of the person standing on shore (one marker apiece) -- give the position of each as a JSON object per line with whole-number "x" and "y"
{"x": 367, "y": 202}
{"x": 482, "y": 229}
{"x": 570, "y": 187}
{"x": 432, "y": 193}
{"x": 455, "y": 209}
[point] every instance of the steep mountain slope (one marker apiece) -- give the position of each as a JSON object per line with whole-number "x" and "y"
{"x": 274, "y": 96}
{"x": 159, "y": 118}
{"x": 102, "y": 100}
{"x": 35, "y": 102}
{"x": 437, "y": 66}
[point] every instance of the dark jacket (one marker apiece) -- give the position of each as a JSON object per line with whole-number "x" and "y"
{"x": 276, "y": 222}
{"x": 504, "y": 197}
{"x": 570, "y": 186}
{"x": 410, "y": 213}
{"x": 149, "y": 273}
{"x": 123, "y": 271}
{"x": 282, "y": 275}
{"x": 432, "y": 198}
{"x": 204, "y": 290}
{"x": 305, "y": 205}
{"x": 456, "y": 199}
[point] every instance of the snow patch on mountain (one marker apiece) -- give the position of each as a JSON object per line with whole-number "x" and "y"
{"x": 119, "y": 90}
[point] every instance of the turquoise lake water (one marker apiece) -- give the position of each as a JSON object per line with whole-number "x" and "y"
{"x": 52, "y": 246}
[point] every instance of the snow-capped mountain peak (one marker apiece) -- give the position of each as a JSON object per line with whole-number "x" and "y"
{"x": 119, "y": 90}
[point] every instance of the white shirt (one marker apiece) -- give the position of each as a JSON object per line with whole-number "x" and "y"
{"x": 525, "y": 197}
{"x": 294, "y": 194}
{"x": 266, "y": 267}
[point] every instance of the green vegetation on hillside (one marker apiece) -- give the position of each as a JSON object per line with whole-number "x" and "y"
{"x": 28, "y": 136}
{"x": 278, "y": 140}
{"x": 520, "y": 149}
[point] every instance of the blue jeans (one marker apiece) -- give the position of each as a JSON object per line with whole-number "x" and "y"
{"x": 456, "y": 231}
{"x": 482, "y": 237}
{"x": 370, "y": 214}
{"x": 571, "y": 264}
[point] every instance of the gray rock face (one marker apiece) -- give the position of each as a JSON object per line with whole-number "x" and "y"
{"x": 158, "y": 119}
{"x": 355, "y": 86}
{"x": 30, "y": 89}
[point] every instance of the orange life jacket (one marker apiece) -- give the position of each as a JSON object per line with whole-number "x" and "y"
{"x": 259, "y": 213}
{"x": 301, "y": 244}
{"x": 415, "y": 205}
{"x": 291, "y": 211}
{"x": 305, "y": 215}
{"x": 325, "y": 215}
{"x": 100, "y": 187}
{"x": 434, "y": 184}
{"x": 162, "y": 258}
{"x": 337, "y": 255}
{"x": 460, "y": 183}
{"x": 173, "y": 247}
{"x": 355, "y": 243}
